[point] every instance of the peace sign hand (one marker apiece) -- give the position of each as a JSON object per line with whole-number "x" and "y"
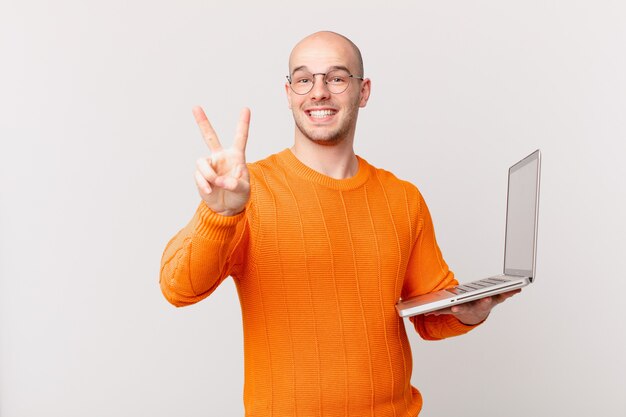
{"x": 223, "y": 180}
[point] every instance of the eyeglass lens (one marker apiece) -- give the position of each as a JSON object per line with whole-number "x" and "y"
{"x": 336, "y": 81}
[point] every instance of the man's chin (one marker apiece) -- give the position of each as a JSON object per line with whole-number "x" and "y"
{"x": 324, "y": 138}
{"x": 326, "y": 141}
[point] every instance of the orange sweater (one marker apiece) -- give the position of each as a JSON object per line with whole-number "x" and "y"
{"x": 319, "y": 265}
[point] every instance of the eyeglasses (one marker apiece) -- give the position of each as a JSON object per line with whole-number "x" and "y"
{"x": 337, "y": 81}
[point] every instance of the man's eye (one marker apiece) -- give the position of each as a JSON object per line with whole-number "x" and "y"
{"x": 303, "y": 81}
{"x": 336, "y": 80}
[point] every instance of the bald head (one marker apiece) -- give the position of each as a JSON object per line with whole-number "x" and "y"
{"x": 321, "y": 44}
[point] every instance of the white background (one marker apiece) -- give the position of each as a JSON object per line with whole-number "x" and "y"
{"x": 98, "y": 147}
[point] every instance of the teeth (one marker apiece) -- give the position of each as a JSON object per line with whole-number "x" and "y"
{"x": 321, "y": 113}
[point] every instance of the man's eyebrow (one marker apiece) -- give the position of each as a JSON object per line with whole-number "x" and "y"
{"x": 332, "y": 68}
{"x": 338, "y": 67}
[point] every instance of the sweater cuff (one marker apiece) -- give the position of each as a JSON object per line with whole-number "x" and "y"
{"x": 213, "y": 226}
{"x": 458, "y": 327}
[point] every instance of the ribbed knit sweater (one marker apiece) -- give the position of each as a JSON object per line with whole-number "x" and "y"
{"x": 319, "y": 265}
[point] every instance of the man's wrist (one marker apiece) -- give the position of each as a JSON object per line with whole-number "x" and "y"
{"x": 212, "y": 225}
{"x": 226, "y": 213}
{"x": 473, "y": 324}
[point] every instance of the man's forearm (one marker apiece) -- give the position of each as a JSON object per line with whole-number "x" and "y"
{"x": 197, "y": 259}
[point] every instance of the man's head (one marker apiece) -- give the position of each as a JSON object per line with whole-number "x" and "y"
{"x": 323, "y": 114}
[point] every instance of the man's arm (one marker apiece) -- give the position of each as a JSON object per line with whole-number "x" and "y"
{"x": 428, "y": 272}
{"x": 203, "y": 253}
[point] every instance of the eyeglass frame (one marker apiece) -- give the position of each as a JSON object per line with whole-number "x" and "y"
{"x": 354, "y": 77}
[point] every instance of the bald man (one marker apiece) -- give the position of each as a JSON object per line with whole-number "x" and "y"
{"x": 321, "y": 245}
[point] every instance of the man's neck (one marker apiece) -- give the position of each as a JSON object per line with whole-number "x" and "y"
{"x": 336, "y": 161}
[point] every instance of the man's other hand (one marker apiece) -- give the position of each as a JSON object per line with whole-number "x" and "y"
{"x": 477, "y": 311}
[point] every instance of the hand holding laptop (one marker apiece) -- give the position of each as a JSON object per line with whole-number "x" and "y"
{"x": 477, "y": 311}
{"x": 520, "y": 250}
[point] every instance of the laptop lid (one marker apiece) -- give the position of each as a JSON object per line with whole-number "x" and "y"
{"x": 520, "y": 247}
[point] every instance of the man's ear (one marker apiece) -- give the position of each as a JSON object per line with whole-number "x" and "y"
{"x": 288, "y": 92}
{"x": 366, "y": 88}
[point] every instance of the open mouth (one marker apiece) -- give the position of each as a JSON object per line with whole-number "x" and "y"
{"x": 321, "y": 114}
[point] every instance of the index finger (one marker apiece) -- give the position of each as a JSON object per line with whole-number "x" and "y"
{"x": 209, "y": 135}
{"x": 241, "y": 137}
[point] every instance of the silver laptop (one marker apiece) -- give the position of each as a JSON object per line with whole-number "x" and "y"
{"x": 520, "y": 246}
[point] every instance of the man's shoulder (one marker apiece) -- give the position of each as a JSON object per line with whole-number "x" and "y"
{"x": 269, "y": 163}
{"x": 389, "y": 179}
{"x": 265, "y": 161}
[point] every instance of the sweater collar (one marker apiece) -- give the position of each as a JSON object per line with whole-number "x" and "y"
{"x": 293, "y": 164}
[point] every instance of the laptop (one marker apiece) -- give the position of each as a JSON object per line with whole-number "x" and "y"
{"x": 520, "y": 246}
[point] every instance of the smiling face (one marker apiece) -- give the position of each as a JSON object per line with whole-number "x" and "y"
{"x": 321, "y": 116}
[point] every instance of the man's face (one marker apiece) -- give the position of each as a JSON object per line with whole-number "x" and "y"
{"x": 321, "y": 116}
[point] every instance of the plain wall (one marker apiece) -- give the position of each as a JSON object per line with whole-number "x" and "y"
{"x": 98, "y": 147}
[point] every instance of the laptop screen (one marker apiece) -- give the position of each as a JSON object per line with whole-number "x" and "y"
{"x": 521, "y": 217}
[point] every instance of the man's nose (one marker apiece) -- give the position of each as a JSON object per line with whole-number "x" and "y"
{"x": 320, "y": 89}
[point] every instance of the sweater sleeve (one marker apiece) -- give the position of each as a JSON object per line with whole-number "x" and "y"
{"x": 202, "y": 255}
{"x": 428, "y": 272}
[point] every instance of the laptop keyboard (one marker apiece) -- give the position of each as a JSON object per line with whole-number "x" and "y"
{"x": 477, "y": 285}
